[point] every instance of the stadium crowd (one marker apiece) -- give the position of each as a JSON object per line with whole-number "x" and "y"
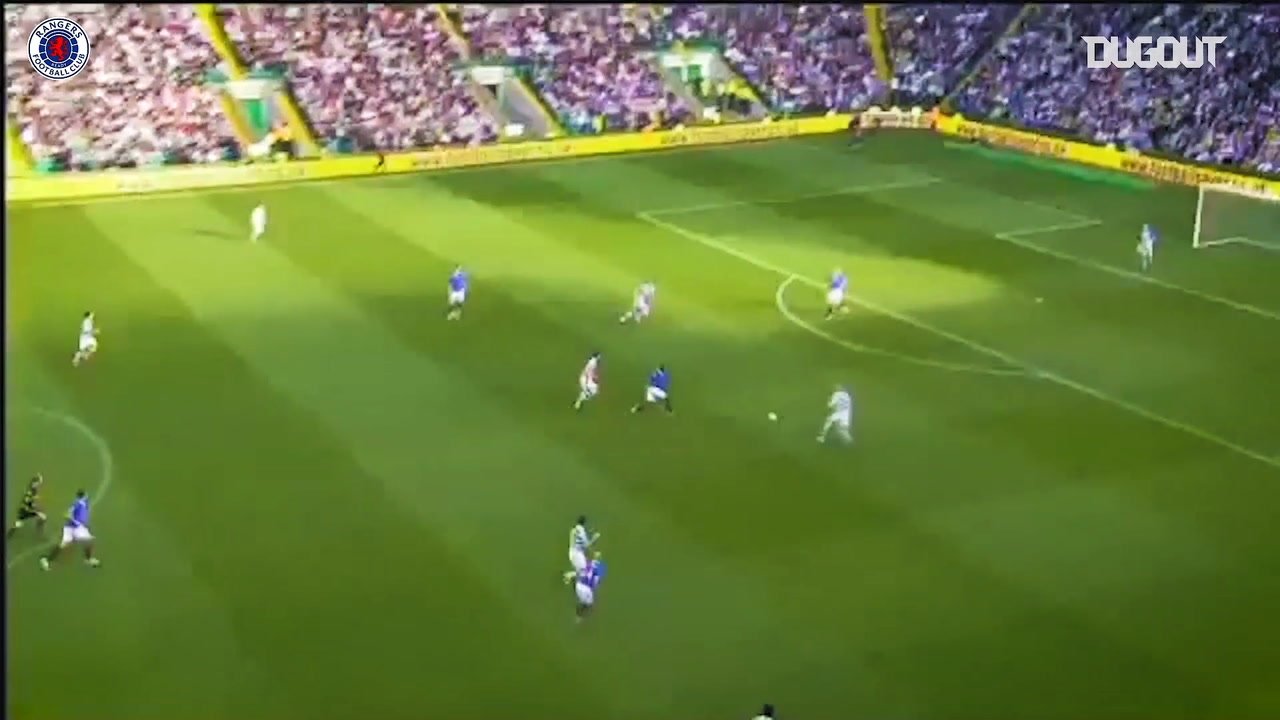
{"x": 1221, "y": 114}
{"x": 588, "y": 62}
{"x": 802, "y": 58}
{"x": 378, "y": 75}
{"x": 935, "y": 46}
{"x": 141, "y": 100}
{"x": 383, "y": 76}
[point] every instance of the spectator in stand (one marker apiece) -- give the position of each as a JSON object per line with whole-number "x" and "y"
{"x": 367, "y": 76}
{"x": 802, "y": 58}
{"x": 140, "y": 101}
{"x": 935, "y": 46}
{"x": 1213, "y": 114}
{"x": 591, "y": 63}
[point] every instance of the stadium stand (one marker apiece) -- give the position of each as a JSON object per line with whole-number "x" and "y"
{"x": 1221, "y": 114}
{"x": 803, "y": 58}
{"x": 380, "y": 75}
{"x": 140, "y": 101}
{"x": 935, "y": 46}
{"x": 383, "y": 76}
{"x": 585, "y": 61}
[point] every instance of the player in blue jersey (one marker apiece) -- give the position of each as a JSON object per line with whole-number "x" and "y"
{"x": 458, "y": 283}
{"x": 1147, "y": 246}
{"x": 658, "y": 391}
{"x": 835, "y": 292}
{"x": 75, "y": 531}
{"x": 587, "y": 583}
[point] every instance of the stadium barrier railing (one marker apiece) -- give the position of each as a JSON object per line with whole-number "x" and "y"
{"x": 82, "y": 185}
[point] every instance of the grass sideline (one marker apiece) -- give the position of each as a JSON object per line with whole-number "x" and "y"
{"x": 327, "y": 501}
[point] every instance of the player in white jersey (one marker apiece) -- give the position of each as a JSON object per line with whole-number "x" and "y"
{"x": 258, "y": 222}
{"x": 588, "y": 381}
{"x": 1147, "y": 247}
{"x": 839, "y": 416}
{"x": 580, "y": 541}
{"x": 88, "y": 339}
{"x": 642, "y": 305}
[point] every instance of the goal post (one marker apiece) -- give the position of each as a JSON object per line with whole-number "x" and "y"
{"x": 1228, "y": 214}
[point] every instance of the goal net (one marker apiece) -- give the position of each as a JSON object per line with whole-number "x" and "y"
{"x": 1226, "y": 215}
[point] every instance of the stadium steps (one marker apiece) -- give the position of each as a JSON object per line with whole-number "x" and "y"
{"x": 298, "y": 122}
{"x": 1014, "y": 26}
{"x": 483, "y": 96}
{"x": 17, "y": 155}
{"x": 673, "y": 82}
{"x": 520, "y": 80}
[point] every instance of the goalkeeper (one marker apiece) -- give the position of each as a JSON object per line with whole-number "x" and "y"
{"x": 1147, "y": 246}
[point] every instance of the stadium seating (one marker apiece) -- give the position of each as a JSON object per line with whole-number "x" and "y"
{"x": 1212, "y": 114}
{"x": 583, "y": 59}
{"x": 140, "y": 101}
{"x": 935, "y": 46}
{"x": 381, "y": 75}
{"x": 803, "y": 58}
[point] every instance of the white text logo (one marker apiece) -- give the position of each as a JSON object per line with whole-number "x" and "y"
{"x": 1147, "y": 52}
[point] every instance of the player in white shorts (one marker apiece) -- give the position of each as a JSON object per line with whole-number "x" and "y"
{"x": 258, "y": 222}
{"x": 588, "y": 381}
{"x": 642, "y": 305}
{"x": 839, "y": 417}
{"x": 88, "y": 339}
{"x": 835, "y": 293}
{"x": 580, "y": 542}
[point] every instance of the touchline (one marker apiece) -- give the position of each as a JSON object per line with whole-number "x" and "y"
{"x": 1147, "y": 52}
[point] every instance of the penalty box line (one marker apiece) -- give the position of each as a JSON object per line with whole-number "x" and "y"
{"x": 1049, "y": 376}
{"x": 1018, "y": 237}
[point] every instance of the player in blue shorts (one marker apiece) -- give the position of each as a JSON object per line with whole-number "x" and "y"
{"x": 835, "y": 293}
{"x": 75, "y": 531}
{"x": 458, "y": 283}
{"x": 658, "y": 391}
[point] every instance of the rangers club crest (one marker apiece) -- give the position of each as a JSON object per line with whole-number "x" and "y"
{"x": 58, "y": 48}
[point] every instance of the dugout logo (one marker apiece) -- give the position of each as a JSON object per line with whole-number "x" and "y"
{"x": 1147, "y": 52}
{"x": 58, "y": 48}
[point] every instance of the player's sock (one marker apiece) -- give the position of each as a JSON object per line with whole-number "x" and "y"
{"x": 667, "y": 403}
{"x": 638, "y": 407}
{"x": 831, "y": 310}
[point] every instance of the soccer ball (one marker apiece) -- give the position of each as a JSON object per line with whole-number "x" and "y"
{"x": 773, "y": 416}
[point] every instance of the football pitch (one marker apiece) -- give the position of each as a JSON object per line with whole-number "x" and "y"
{"x": 316, "y": 498}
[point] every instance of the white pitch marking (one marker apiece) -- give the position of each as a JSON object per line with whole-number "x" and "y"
{"x": 1192, "y": 430}
{"x": 105, "y": 460}
{"x": 779, "y": 299}
{"x": 1014, "y": 237}
{"x": 850, "y": 190}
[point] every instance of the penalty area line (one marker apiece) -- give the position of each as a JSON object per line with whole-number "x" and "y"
{"x": 106, "y": 463}
{"x": 780, "y": 300}
{"x": 1099, "y": 395}
{"x": 1016, "y": 238}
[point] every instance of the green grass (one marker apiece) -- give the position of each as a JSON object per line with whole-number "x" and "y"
{"x": 327, "y": 502}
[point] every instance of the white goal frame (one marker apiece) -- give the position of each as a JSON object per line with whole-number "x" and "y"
{"x": 1226, "y": 189}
